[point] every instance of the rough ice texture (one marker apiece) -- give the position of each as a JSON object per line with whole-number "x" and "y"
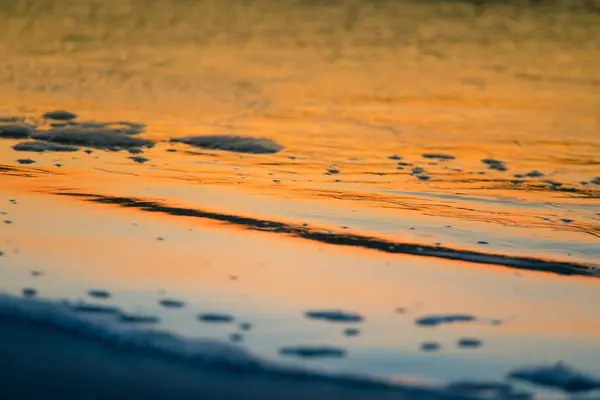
{"x": 99, "y": 138}
{"x": 239, "y": 144}
{"x": 334, "y": 316}
{"x": 16, "y": 131}
{"x": 40, "y": 147}
{"x": 435, "y": 320}
{"x": 560, "y": 376}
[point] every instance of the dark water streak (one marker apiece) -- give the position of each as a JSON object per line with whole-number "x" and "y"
{"x": 354, "y": 240}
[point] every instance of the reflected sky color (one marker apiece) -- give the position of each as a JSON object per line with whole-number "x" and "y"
{"x": 342, "y": 85}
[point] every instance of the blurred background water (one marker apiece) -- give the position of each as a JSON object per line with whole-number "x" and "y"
{"x": 386, "y": 110}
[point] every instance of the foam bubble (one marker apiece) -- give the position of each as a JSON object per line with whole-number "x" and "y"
{"x": 40, "y": 147}
{"x": 139, "y": 159}
{"x": 469, "y": 343}
{"x": 240, "y": 144}
{"x": 430, "y": 346}
{"x": 312, "y": 351}
{"x": 560, "y": 376}
{"x": 215, "y": 318}
{"x": 172, "y": 303}
{"x": 100, "y": 138}
{"x": 99, "y": 293}
{"x": 438, "y": 156}
{"x": 435, "y": 320}
{"x": 334, "y": 316}
{"x": 60, "y": 115}
{"x": 497, "y": 165}
{"x": 16, "y": 131}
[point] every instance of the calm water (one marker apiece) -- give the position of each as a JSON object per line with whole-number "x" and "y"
{"x": 344, "y": 87}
